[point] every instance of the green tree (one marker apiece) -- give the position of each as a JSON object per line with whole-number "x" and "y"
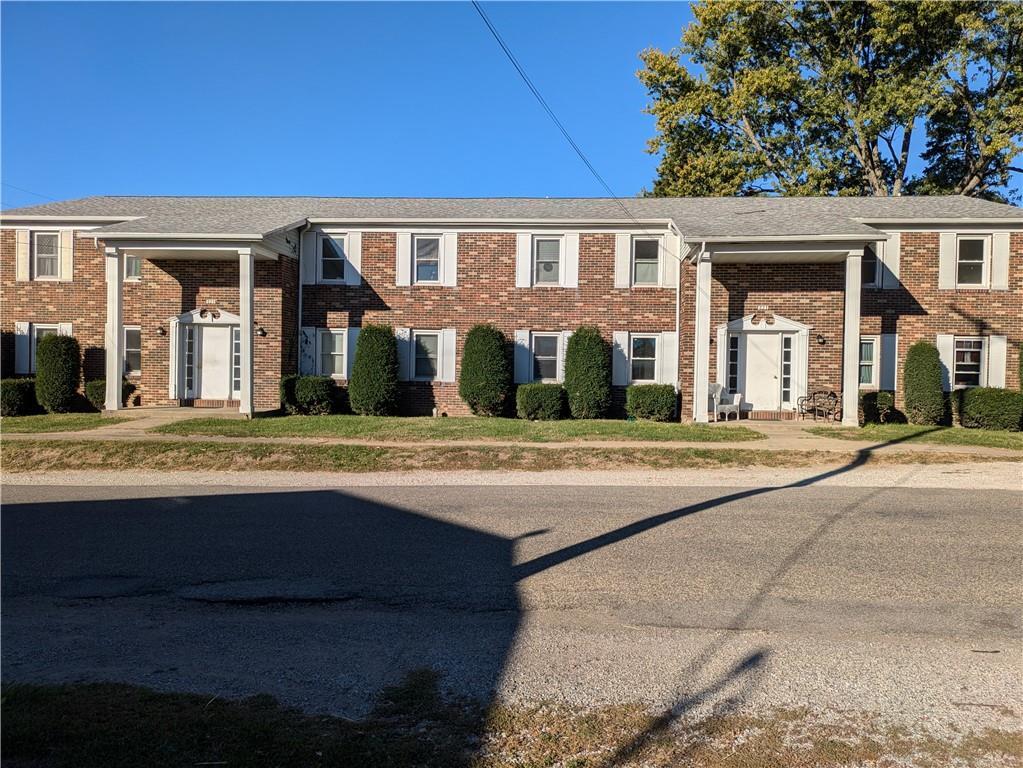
{"x": 373, "y": 388}
{"x": 588, "y": 373}
{"x": 818, "y": 98}
{"x": 486, "y": 377}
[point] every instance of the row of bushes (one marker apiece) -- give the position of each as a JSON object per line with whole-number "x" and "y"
{"x": 18, "y": 396}
{"x": 549, "y": 402}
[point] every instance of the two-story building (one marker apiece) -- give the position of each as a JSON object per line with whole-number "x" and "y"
{"x": 207, "y": 301}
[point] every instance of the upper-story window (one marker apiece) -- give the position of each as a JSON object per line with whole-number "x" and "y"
{"x": 132, "y": 267}
{"x": 332, "y": 258}
{"x": 46, "y": 256}
{"x": 869, "y": 266}
{"x": 547, "y": 260}
{"x": 426, "y": 253}
{"x": 972, "y": 254}
{"x": 646, "y": 261}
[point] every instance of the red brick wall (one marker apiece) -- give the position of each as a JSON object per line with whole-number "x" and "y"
{"x": 485, "y": 293}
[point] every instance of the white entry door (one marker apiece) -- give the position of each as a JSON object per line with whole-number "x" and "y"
{"x": 761, "y": 387}
{"x": 214, "y": 362}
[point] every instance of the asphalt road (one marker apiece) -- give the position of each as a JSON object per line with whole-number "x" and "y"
{"x": 892, "y": 600}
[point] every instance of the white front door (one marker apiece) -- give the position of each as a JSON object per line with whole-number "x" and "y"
{"x": 761, "y": 385}
{"x": 214, "y": 362}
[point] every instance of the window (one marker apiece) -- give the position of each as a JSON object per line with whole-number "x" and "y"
{"x": 546, "y": 347}
{"x": 332, "y": 258}
{"x": 132, "y": 349}
{"x": 786, "y": 369}
{"x": 427, "y": 349}
{"x": 547, "y": 261}
{"x": 971, "y": 261}
{"x": 969, "y": 359}
{"x": 868, "y": 266}
{"x": 643, "y": 358}
{"x": 47, "y": 255}
{"x": 733, "y": 364}
{"x": 132, "y": 267}
{"x": 236, "y": 359}
{"x": 645, "y": 261}
{"x": 189, "y": 361}
{"x": 332, "y": 353}
{"x": 40, "y": 332}
{"x": 427, "y": 258}
{"x": 868, "y": 362}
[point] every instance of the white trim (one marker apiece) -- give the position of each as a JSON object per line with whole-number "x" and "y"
{"x": 985, "y": 278}
{"x": 559, "y": 355}
{"x": 981, "y": 374}
{"x": 878, "y": 249}
{"x": 659, "y": 241}
{"x": 533, "y": 250}
{"x": 127, "y": 371}
{"x": 34, "y": 261}
{"x": 33, "y": 342}
{"x": 342, "y": 239}
{"x": 318, "y": 367}
{"x": 875, "y": 362}
{"x": 851, "y": 339}
{"x": 416, "y": 237}
{"x": 413, "y": 376}
{"x": 132, "y": 278}
{"x": 656, "y": 337}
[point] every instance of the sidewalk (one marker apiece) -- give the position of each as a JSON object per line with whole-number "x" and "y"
{"x": 780, "y": 436}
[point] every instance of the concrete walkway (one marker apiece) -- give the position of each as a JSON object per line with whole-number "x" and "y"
{"x": 780, "y": 436}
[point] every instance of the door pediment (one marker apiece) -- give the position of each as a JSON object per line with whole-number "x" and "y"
{"x": 763, "y": 321}
{"x": 207, "y": 316}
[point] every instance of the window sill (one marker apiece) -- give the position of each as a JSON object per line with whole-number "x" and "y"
{"x": 972, "y": 287}
{"x": 331, "y": 282}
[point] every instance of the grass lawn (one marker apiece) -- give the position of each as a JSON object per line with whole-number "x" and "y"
{"x": 910, "y": 433}
{"x": 404, "y": 429}
{"x": 168, "y": 455}
{"x": 57, "y": 422}
{"x": 117, "y": 726}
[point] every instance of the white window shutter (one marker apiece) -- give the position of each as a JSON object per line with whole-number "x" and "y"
{"x": 404, "y": 339}
{"x": 1000, "y": 261}
{"x": 620, "y": 358}
{"x": 174, "y": 339}
{"x": 889, "y": 362}
{"x": 623, "y": 260}
{"x": 946, "y": 351}
{"x": 447, "y": 355}
{"x": 570, "y": 274}
{"x": 667, "y": 359}
{"x": 351, "y": 344}
{"x": 353, "y": 276}
{"x": 892, "y": 250}
{"x": 403, "y": 259}
{"x": 669, "y": 261}
{"x": 997, "y": 346}
{"x": 449, "y": 259}
{"x": 308, "y": 256}
{"x": 523, "y": 367}
{"x": 21, "y": 349}
{"x": 64, "y": 329}
{"x": 947, "y": 260}
{"x": 563, "y": 350}
{"x": 307, "y": 352}
{"x": 523, "y": 260}
{"x": 67, "y": 254}
{"x": 22, "y": 269}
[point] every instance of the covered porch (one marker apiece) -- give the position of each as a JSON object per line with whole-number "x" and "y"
{"x": 774, "y": 321}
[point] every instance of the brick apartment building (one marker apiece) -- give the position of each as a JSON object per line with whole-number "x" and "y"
{"x": 209, "y": 301}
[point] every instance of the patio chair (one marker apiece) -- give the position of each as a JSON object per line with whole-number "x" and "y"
{"x": 725, "y": 403}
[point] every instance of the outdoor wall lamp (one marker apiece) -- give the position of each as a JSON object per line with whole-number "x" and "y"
{"x": 161, "y": 331}
{"x": 260, "y": 331}
{"x": 820, "y": 338}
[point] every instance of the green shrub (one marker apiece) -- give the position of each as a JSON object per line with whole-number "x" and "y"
{"x": 58, "y": 372}
{"x": 656, "y": 402}
{"x": 486, "y": 377}
{"x": 588, "y": 374}
{"x": 540, "y": 402}
{"x": 926, "y": 402}
{"x": 991, "y": 408}
{"x": 315, "y": 395}
{"x": 878, "y": 407}
{"x": 96, "y": 392}
{"x": 373, "y": 388}
{"x": 287, "y": 391}
{"x": 18, "y": 397}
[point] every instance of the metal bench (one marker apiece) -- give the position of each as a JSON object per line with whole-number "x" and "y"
{"x": 820, "y": 404}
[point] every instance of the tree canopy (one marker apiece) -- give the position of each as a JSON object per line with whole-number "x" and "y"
{"x": 812, "y": 98}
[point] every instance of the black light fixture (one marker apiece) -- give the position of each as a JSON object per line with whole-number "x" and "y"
{"x": 161, "y": 331}
{"x": 820, "y": 338}
{"x": 260, "y": 331}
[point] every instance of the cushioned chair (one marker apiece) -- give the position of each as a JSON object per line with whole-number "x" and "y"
{"x": 725, "y": 403}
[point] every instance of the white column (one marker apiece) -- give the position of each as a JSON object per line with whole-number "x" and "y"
{"x": 851, "y": 340}
{"x": 246, "y": 295}
{"x": 701, "y": 354}
{"x": 114, "y": 334}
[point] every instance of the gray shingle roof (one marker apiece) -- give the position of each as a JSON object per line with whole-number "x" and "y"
{"x": 721, "y": 217}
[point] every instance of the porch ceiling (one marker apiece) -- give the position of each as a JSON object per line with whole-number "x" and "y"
{"x": 784, "y": 253}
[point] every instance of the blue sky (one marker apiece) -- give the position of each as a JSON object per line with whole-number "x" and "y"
{"x": 323, "y": 99}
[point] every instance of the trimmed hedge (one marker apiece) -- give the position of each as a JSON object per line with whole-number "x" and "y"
{"x": 96, "y": 392}
{"x": 58, "y": 372}
{"x": 486, "y": 377}
{"x": 925, "y": 400}
{"x": 991, "y": 408}
{"x": 879, "y": 408}
{"x": 315, "y": 394}
{"x": 287, "y": 391}
{"x": 588, "y": 374}
{"x": 18, "y": 397}
{"x": 540, "y": 402}
{"x": 373, "y": 388}
{"x": 656, "y": 402}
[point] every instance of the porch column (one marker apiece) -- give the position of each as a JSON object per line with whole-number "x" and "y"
{"x": 701, "y": 361}
{"x": 851, "y": 340}
{"x": 114, "y": 333}
{"x": 246, "y": 295}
